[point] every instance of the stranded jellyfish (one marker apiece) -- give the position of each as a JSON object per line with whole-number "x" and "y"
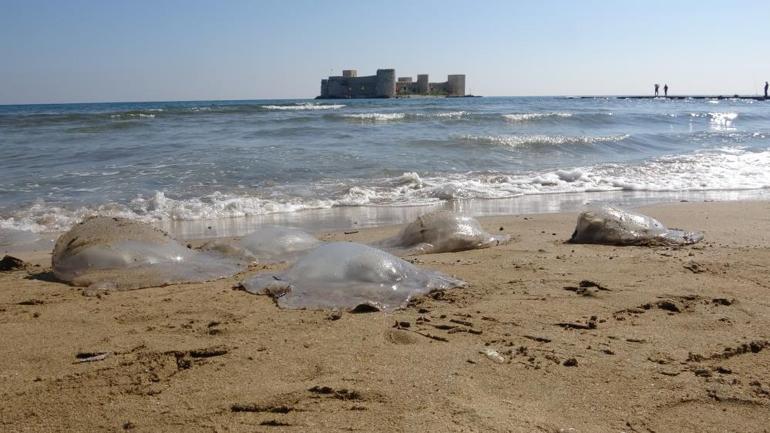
{"x": 348, "y": 276}
{"x": 615, "y": 226}
{"x": 442, "y": 231}
{"x": 117, "y": 253}
{"x": 269, "y": 243}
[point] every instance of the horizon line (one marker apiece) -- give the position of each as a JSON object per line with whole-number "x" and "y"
{"x": 640, "y": 96}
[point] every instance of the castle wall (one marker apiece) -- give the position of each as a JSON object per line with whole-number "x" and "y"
{"x": 437, "y": 88}
{"x": 384, "y": 85}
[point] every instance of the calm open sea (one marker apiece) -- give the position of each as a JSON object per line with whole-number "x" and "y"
{"x": 226, "y": 166}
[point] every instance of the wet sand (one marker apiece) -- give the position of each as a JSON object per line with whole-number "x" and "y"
{"x": 548, "y": 337}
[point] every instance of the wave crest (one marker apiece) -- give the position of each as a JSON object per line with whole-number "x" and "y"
{"x": 376, "y": 117}
{"x": 303, "y": 107}
{"x": 529, "y": 140}
{"x": 524, "y": 117}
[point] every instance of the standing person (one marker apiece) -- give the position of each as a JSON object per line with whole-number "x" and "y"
{"x": 766, "y": 86}
{"x": 665, "y": 90}
{"x": 657, "y": 86}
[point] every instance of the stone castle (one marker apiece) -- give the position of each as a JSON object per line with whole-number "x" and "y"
{"x": 385, "y": 85}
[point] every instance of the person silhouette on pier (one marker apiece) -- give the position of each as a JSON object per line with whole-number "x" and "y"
{"x": 766, "y": 86}
{"x": 657, "y": 86}
{"x": 665, "y": 90}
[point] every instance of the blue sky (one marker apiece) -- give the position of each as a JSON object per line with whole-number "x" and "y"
{"x": 83, "y": 51}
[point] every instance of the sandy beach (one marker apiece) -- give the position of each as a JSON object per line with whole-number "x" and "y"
{"x": 547, "y": 337}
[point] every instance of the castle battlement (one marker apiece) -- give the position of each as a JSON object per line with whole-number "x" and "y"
{"x": 384, "y": 85}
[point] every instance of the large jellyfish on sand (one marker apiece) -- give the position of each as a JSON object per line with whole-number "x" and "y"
{"x": 442, "y": 231}
{"x": 117, "y": 253}
{"x": 614, "y": 226}
{"x": 349, "y": 276}
{"x": 269, "y": 243}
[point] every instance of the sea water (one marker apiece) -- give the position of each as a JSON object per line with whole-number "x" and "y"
{"x": 219, "y": 168}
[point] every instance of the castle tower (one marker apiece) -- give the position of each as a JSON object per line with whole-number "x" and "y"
{"x": 423, "y": 87}
{"x": 349, "y": 73}
{"x": 386, "y": 83}
{"x": 456, "y": 85}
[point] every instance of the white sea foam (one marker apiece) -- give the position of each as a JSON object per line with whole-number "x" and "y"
{"x": 524, "y": 117}
{"x": 44, "y": 217}
{"x": 376, "y": 117}
{"x": 450, "y": 115}
{"x": 133, "y": 115}
{"x": 729, "y": 168}
{"x": 722, "y": 121}
{"x": 304, "y": 106}
{"x": 528, "y": 140}
{"x": 385, "y": 117}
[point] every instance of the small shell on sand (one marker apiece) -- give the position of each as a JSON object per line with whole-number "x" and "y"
{"x": 348, "y": 275}
{"x": 614, "y": 226}
{"x": 117, "y": 253}
{"x": 442, "y": 231}
{"x": 493, "y": 355}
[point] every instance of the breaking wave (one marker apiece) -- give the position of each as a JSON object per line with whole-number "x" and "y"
{"x": 133, "y": 115}
{"x": 304, "y": 106}
{"x": 376, "y": 117}
{"x": 730, "y": 168}
{"x": 529, "y": 140}
{"x": 524, "y": 117}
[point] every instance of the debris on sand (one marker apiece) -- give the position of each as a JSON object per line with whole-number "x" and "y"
{"x": 493, "y": 355}
{"x": 10, "y": 263}
{"x": 81, "y": 357}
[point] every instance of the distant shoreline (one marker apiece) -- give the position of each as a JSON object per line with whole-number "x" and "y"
{"x": 323, "y": 98}
{"x": 756, "y": 98}
{"x": 251, "y": 100}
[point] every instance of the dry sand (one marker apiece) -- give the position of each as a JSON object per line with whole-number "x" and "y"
{"x": 674, "y": 340}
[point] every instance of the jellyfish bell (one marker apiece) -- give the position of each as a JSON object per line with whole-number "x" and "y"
{"x": 347, "y": 275}
{"x": 442, "y": 231}
{"x": 267, "y": 244}
{"x": 615, "y": 226}
{"x": 120, "y": 253}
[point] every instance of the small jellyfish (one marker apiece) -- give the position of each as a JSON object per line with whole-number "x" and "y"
{"x": 442, "y": 231}
{"x": 614, "y": 226}
{"x": 117, "y": 253}
{"x": 351, "y": 276}
{"x": 269, "y": 243}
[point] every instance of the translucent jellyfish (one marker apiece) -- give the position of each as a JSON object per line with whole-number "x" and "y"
{"x": 117, "y": 253}
{"x": 269, "y": 243}
{"x": 442, "y": 231}
{"x": 350, "y": 276}
{"x": 614, "y": 226}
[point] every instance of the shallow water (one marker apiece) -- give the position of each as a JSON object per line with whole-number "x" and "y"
{"x": 213, "y": 168}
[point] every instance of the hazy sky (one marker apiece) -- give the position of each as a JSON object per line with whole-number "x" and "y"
{"x": 109, "y": 50}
